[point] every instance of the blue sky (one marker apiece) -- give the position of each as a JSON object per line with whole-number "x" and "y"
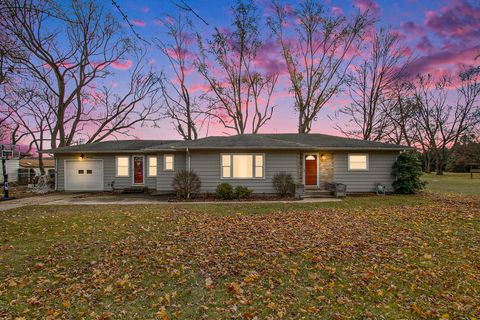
{"x": 442, "y": 35}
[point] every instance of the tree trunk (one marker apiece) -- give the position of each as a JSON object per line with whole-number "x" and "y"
{"x": 40, "y": 164}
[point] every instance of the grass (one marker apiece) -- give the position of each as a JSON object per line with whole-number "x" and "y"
{"x": 398, "y": 257}
{"x": 456, "y": 183}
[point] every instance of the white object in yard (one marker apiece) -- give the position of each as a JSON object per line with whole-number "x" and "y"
{"x": 84, "y": 175}
{"x": 41, "y": 187}
{"x": 11, "y": 166}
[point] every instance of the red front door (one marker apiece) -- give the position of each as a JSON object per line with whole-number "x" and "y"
{"x": 138, "y": 170}
{"x": 311, "y": 170}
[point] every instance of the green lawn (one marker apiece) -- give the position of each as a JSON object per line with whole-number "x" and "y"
{"x": 397, "y": 257}
{"x": 456, "y": 183}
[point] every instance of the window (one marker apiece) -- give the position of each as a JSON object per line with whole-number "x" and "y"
{"x": 168, "y": 162}
{"x": 226, "y": 166}
{"x": 152, "y": 166}
{"x": 358, "y": 162}
{"x": 259, "y": 166}
{"x": 80, "y": 171}
{"x": 89, "y": 171}
{"x": 242, "y": 166}
{"x": 122, "y": 166}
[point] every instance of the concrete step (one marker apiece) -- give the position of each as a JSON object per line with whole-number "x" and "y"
{"x": 318, "y": 193}
{"x": 135, "y": 190}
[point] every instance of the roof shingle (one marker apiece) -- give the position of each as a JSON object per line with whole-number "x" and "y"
{"x": 283, "y": 141}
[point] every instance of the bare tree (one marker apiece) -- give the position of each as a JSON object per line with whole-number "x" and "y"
{"x": 369, "y": 87}
{"x": 241, "y": 93}
{"x": 400, "y": 108}
{"x": 68, "y": 49}
{"x": 440, "y": 124}
{"x": 317, "y": 53}
{"x": 140, "y": 104}
{"x": 181, "y": 106}
{"x": 30, "y": 118}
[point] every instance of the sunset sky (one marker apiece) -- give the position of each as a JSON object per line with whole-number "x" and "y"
{"x": 441, "y": 35}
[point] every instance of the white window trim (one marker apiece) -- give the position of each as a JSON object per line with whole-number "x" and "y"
{"x": 358, "y": 154}
{"x": 253, "y": 168}
{"x": 148, "y": 166}
{"x": 116, "y": 167}
{"x": 165, "y": 162}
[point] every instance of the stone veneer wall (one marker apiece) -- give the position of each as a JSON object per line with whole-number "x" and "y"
{"x": 326, "y": 169}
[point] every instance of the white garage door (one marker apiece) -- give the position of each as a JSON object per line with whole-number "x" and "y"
{"x": 84, "y": 175}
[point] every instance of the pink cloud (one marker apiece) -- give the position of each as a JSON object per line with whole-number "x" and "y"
{"x": 122, "y": 65}
{"x": 158, "y": 22}
{"x": 269, "y": 59}
{"x": 337, "y": 11}
{"x": 412, "y": 29}
{"x": 459, "y": 19}
{"x": 424, "y": 45}
{"x": 139, "y": 23}
{"x": 199, "y": 87}
{"x": 145, "y": 9}
{"x": 169, "y": 20}
{"x": 449, "y": 57}
{"x": 368, "y": 5}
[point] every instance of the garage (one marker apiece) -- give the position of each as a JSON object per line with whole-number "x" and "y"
{"x": 84, "y": 175}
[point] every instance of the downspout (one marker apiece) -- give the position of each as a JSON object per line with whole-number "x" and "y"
{"x": 188, "y": 170}
{"x": 56, "y": 173}
{"x": 188, "y": 159}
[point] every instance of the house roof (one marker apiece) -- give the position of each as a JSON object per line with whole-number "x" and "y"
{"x": 33, "y": 163}
{"x": 112, "y": 146}
{"x": 246, "y": 141}
{"x": 283, "y": 141}
{"x": 295, "y": 141}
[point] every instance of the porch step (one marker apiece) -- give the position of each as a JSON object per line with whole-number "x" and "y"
{"x": 317, "y": 193}
{"x": 135, "y": 190}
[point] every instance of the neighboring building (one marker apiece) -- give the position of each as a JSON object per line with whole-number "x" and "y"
{"x": 23, "y": 170}
{"x": 249, "y": 160}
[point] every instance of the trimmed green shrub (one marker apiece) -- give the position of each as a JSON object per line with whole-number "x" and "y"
{"x": 407, "y": 171}
{"x": 224, "y": 191}
{"x": 242, "y": 192}
{"x": 283, "y": 184}
{"x": 186, "y": 184}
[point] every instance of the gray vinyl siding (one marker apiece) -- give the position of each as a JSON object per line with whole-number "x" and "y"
{"x": 380, "y": 171}
{"x": 108, "y": 171}
{"x": 207, "y": 165}
{"x": 164, "y": 178}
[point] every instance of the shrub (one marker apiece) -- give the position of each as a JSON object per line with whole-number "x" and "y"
{"x": 242, "y": 192}
{"x": 186, "y": 184}
{"x": 283, "y": 184}
{"x": 407, "y": 171}
{"x": 224, "y": 191}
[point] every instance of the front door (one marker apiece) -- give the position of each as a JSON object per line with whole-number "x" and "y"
{"x": 138, "y": 170}
{"x": 311, "y": 170}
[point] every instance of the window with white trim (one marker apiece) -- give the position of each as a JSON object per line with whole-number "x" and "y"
{"x": 242, "y": 166}
{"x": 226, "y": 166}
{"x": 152, "y": 166}
{"x": 168, "y": 162}
{"x": 123, "y": 163}
{"x": 358, "y": 162}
